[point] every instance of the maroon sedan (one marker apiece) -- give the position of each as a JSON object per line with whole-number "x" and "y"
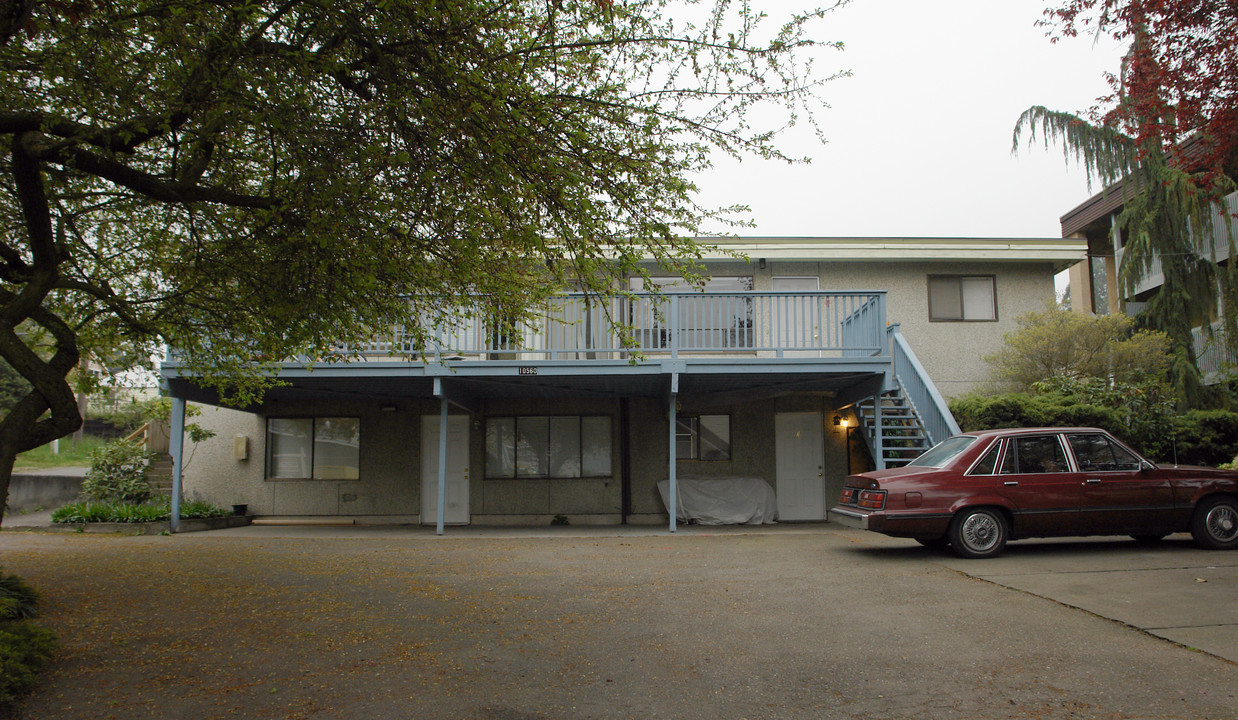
{"x": 978, "y": 490}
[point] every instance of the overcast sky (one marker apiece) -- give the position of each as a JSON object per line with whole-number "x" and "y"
{"x": 920, "y": 135}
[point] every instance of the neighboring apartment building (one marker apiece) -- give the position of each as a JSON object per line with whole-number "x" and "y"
{"x": 770, "y": 375}
{"x": 1094, "y": 286}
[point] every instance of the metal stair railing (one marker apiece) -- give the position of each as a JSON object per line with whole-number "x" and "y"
{"x": 918, "y": 388}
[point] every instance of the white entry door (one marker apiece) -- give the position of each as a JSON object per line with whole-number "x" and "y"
{"x": 457, "y": 505}
{"x": 799, "y": 442}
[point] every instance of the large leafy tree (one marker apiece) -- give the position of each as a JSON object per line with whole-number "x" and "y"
{"x": 1169, "y": 134}
{"x": 260, "y": 179}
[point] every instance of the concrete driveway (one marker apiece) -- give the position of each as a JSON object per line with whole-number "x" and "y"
{"x": 781, "y": 622}
{"x": 1169, "y": 589}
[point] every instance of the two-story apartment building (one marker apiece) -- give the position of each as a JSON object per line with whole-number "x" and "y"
{"x": 787, "y": 364}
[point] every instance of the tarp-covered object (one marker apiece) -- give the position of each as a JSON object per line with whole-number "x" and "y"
{"x": 723, "y": 501}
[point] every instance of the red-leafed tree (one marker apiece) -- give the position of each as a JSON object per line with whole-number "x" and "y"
{"x": 1178, "y": 89}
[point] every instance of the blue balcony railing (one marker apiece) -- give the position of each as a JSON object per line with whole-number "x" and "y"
{"x": 581, "y": 327}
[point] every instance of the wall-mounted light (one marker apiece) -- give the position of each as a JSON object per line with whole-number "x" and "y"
{"x": 840, "y": 421}
{"x": 761, "y": 263}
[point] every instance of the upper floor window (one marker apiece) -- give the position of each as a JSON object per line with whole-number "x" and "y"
{"x": 962, "y": 298}
{"x": 322, "y": 448}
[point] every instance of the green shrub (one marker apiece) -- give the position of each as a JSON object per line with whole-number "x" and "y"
{"x": 18, "y": 600}
{"x": 118, "y": 473}
{"x": 1206, "y": 437}
{"x": 119, "y": 512}
{"x": 1140, "y": 416}
{"x": 24, "y": 647}
{"x": 976, "y": 412}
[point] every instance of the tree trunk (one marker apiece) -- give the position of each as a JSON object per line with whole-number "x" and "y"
{"x": 27, "y": 425}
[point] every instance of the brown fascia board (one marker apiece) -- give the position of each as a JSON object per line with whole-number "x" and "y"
{"x": 1101, "y": 205}
{"x": 1095, "y": 208}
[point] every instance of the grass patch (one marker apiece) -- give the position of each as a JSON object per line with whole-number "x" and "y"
{"x": 117, "y": 512}
{"x": 70, "y": 455}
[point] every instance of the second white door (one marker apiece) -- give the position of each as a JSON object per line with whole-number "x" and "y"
{"x": 799, "y": 443}
{"x": 457, "y": 504}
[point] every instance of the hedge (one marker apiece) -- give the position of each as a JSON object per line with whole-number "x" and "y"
{"x": 1196, "y": 437}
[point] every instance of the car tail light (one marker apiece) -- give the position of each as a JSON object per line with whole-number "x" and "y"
{"x": 849, "y": 496}
{"x": 872, "y": 499}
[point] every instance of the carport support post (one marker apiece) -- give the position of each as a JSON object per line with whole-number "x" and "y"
{"x": 442, "y": 466}
{"x": 673, "y": 485}
{"x": 176, "y": 448}
{"x": 879, "y": 438}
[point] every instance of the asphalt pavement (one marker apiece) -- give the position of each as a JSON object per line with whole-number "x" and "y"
{"x": 784, "y": 621}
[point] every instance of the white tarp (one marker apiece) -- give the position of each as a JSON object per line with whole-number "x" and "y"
{"x": 723, "y": 501}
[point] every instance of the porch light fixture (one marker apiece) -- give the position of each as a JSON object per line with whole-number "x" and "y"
{"x": 761, "y": 263}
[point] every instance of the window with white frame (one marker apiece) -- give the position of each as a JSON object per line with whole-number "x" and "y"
{"x": 962, "y": 298}
{"x": 317, "y": 448}
{"x": 554, "y": 446}
{"x": 703, "y": 437}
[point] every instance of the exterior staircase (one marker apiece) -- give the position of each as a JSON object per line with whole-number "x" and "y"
{"x": 159, "y": 473}
{"x": 902, "y": 432}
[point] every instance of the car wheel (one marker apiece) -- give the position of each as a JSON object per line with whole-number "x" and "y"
{"x": 940, "y": 543}
{"x": 978, "y": 533}
{"x": 1215, "y": 525}
{"x": 1149, "y": 539}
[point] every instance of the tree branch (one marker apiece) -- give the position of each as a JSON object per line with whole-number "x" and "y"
{"x": 151, "y": 186}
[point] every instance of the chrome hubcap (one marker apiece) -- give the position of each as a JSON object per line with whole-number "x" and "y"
{"x": 1222, "y": 523}
{"x": 980, "y": 532}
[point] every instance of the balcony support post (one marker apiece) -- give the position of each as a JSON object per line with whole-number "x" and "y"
{"x": 442, "y": 467}
{"x": 176, "y": 448}
{"x": 672, "y": 491}
{"x": 879, "y": 459}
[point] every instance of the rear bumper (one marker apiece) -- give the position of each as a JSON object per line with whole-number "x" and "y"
{"x": 850, "y": 517}
{"x": 894, "y": 524}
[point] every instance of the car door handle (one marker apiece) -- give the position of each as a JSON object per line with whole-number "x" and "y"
{"x": 1092, "y": 481}
{"x": 1011, "y": 483}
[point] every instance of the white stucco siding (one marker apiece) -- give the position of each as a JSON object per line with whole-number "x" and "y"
{"x": 213, "y": 473}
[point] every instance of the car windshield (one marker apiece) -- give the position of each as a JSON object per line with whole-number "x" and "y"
{"x": 943, "y": 452}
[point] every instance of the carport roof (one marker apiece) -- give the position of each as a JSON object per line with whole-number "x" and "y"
{"x": 465, "y": 382}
